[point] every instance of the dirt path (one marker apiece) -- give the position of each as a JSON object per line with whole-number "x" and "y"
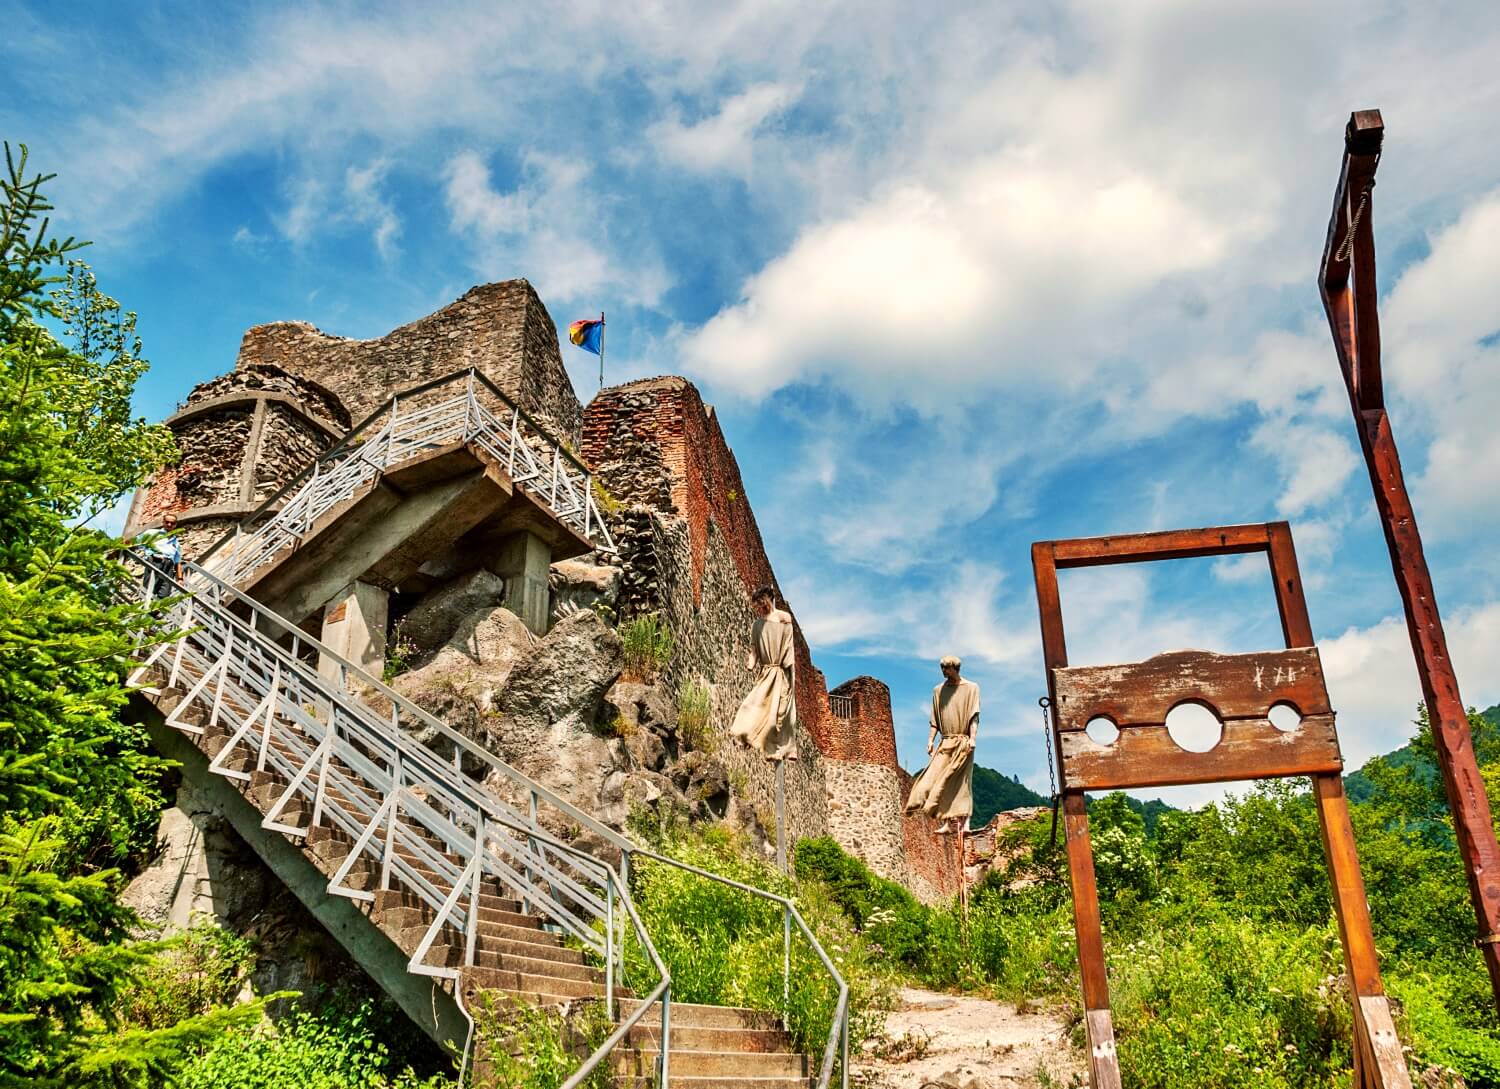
{"x": 942, "y": 1041}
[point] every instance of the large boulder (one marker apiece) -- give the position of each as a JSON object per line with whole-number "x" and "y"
{"x": 579, "y": 585}
{"x": 566, "y": 679}
{"x": 495, "y": 638}
{"x": 435, "y": 618}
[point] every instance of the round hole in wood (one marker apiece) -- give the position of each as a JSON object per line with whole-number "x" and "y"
{"x": 1284, "y": 716}
{"x": 1194, "y": 727}
{"x": 1101, "y": 730}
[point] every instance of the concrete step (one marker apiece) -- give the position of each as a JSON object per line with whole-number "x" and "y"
{"x": 694, "y": 1038}
{"x": 538, "y": 990}
{"x": 689, "y": 1014}
{"x": 715, "y": 1064}
{"x": 553, "y": 967}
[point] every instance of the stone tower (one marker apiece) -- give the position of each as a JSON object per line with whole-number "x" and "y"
{"x": 242, "y": 436}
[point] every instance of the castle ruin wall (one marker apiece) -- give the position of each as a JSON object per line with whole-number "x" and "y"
{"x": 502, "y": 330}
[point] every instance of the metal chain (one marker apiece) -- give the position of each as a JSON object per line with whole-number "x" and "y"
{"x": 1364, "y": 201}
{"x": 1045, "y": 704}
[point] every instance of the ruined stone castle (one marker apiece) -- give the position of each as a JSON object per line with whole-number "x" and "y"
{"x": 687, "y": 547}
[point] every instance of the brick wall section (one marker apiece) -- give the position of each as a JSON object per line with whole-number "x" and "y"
{"x": 690, "y": 549}
{"x": 869, "y": 734}
{"x": 932, "y": 860}
{"x": 501, "y": 329}
{"x": 655, "y": 443}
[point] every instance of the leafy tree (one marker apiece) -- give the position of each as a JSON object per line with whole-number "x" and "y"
{"x": 77, "y": 788}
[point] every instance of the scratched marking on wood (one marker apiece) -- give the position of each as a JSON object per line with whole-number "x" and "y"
{"x": 1239, "y": 688}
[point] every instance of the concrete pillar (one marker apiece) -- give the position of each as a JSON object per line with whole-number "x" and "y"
{"x": 354, "y": 626}
{"x": 522, "y": 562}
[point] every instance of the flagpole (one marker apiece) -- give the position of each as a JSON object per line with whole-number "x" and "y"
{"x": 601, "y": 349}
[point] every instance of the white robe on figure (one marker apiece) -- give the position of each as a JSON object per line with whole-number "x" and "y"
{"x": 945, "y": 790}
{"x": 767, "y": 717}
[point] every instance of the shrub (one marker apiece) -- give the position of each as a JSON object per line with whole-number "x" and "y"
{"x": 342, "y": 1050}
{"x": 694, "y": 707}
{"x": 530, "y": 1047}
{"x": 648, "y": 646}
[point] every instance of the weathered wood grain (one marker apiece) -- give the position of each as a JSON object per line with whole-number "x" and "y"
{"x": 1233, "y": 685}
{"x": 1145, "y": 756}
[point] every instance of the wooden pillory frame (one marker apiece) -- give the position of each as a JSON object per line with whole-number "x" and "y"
{"x": 1240, "y": 689}
{"x": 1346, "y": 279}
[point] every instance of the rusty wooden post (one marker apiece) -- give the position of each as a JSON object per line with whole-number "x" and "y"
{"x": 1349, "y": 255}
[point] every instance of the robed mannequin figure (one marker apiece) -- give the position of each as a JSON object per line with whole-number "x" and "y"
{"x": 767, "y": 718}
{"x": 945, "y": 790}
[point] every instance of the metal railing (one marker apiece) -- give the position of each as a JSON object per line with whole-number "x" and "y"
{"x": 838, "y": 1031}
{"x": 411, "y": 423}
{"x": 414, "y": 814}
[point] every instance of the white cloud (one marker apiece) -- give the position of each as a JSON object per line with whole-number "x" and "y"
{"x": 1372, "y": 677}
{"x": 725, "y": 140}
{"x": 367, "y": 205}
{"x": 535, "y": 231}
{"x": 1314, "y": 460}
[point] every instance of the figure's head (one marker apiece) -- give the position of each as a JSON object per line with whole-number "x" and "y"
{"x": 763, "y": 600}
{"x": 168, "y": 522}
{"x": 950, "y": 667}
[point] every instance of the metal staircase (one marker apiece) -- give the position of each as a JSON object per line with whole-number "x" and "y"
{"x": 462, "y": 407}
{"x": 437, "y": 858}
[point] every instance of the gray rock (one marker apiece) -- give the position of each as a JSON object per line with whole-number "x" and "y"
{"x": 644, "y": 706}
{"x": 567, "y": 677}
{"x": 440, "y": 612}
{"x": 494, "y": 637}
{"x": 646, "y": 749}
{"x": 578, "y": 585}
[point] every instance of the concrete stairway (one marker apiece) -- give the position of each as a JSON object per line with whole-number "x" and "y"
{"x": 516, "y": 954}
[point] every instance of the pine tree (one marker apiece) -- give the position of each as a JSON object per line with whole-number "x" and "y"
{"x": 78, "y": 787}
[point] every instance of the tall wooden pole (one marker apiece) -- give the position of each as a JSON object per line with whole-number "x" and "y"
{"x": 1349, "y": 254}
{"x": 781, "y": 815}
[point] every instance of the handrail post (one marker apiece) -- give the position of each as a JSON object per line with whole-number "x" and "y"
{"x": 786, "y": 962}
{"x": 472, "y": 924}
{"x": 390, "y": 826}
{"x": 609, "y": 947}
{"x": 666, "y": 1036}
{"x": 390, "y": 434}
{"x": 844, "y": 1071}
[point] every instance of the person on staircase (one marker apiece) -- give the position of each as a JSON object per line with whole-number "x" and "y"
{"x": 945, "y": 790}
{"x": 767, "y": 717}
{"x": 163, "y": 551}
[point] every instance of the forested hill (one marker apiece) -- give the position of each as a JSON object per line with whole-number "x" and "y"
{"x": 1416, "y": 753}
{"x": 995, "y": 793}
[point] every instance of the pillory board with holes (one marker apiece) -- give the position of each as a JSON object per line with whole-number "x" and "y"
{"x": 1241, "y": 690}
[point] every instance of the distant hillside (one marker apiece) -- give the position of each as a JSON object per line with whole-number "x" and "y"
{"x": 995, "y": 793}
{"x": 1360, "y": 788}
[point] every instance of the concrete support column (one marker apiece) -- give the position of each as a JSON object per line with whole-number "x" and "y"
{"x": 354, "y": 626}
{"x": 523, "y": 561}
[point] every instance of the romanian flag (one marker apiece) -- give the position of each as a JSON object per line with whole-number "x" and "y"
{"x": 588, "y": 334}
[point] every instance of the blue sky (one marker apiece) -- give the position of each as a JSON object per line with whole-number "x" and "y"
{"x": 956, "y": 280}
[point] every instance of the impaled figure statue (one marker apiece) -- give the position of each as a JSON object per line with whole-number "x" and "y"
{"x": 946, "y": 789}
{"x": 767, "y": 717}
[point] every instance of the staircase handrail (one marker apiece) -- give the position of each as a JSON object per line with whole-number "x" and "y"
{"x": 214, "y": 616}
{"x": 204, "y": 579}
{"x": 837, "y": 1031}
{"x": 204, "y": 583}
